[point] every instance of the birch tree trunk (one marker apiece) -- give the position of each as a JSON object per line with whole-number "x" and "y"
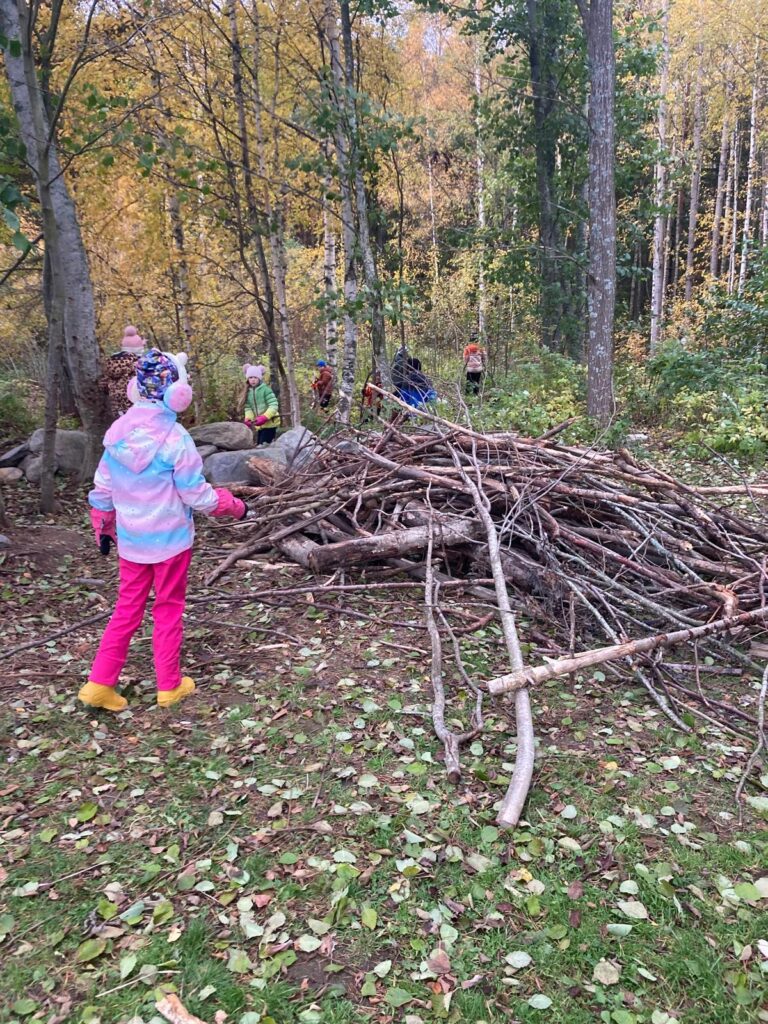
{"x": 746, "y": 234}
{"x": 734, "y": 213}
{"x": 764, "y": 218}
{"x": 693, "y": 210}
{"x": 370, "y": 272}
{"x": 275, "y": 217}
{"x": 433, "y": 225}
{"x": 480, "y": 169}
{"x": 341, "y": 142}
{"x": 720, "y": 194}
{"x": 660, "y": 193}
{"x": 329, "y": 270}
{"x": 601, "y": 286}
{"x": 61, "y": 228}
{"x": 250, "y": 230}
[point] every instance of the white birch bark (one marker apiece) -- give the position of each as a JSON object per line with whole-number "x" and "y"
{"x": 433, "y": 225}
{"x": 734, "y": 213}
{"x": 660, "y": 194}
{"x": 746, "y": 234}
{"x": 720, "y": 193}
{"x": 341, "y": 143}
{"x": 274, "y": 211}
{"x": 329, "y": 271}
{"x": 370, "y": 271}
{"x": 764, "y": 218}
{"x": 480, "y": 170}
{"x": 693, "y": 210}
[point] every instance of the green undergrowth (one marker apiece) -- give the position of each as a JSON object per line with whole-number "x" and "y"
{"x": 280, "y": 861}
{"x": 284, "y": 848}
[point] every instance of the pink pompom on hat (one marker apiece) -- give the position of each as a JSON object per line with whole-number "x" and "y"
{"x": 132, "y": 340}
{"x": 254, "y": 371}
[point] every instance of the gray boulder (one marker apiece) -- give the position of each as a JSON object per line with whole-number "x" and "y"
{"x": 296, "y": 447}
{"x": 204, "y": 450}
{"x": 292, "y": 450}
{"x": 70, "y": 450}
{"x": 33, "y": 468}
{"x": 230, "y": 467}
{"x": 232, "y": 437}
{"x": 14, "y": 456}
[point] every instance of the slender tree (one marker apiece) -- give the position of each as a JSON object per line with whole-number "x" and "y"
{"x": 693, "y": 209}
{"x": 597, "y": 16}
{"x": 658, "y": 278}
{"x": 61, "y": 226}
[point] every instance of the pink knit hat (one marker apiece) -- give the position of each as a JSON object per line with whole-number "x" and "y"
{"x": 254, "y": 371}
{"x": 132, "y": 341}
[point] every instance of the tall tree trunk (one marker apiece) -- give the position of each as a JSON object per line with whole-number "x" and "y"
{"x": 370, "y": 272}
{"x": 338, "y": 94}
{"x": 480, "y": 170}
{"x": 734, "y": 212}
{"x": 720, "y": 193}
{"x": 693, "y": 209}
{"x": 54, "y": 371}
{"x": 675, "y": 244}
{"x": 544, "y": 94}
{"x": 660, "y": 193}
{"x": 251, "y": 234}
{"x": 433, "y": 225}
{"x": 764, "y": 218}
{"x": 275, "y": 215}
{"x": 601, "y": 288}
{"x": 330, "y": 303}
{"x": 746, "y": 234}
{"x": 61, "y": 228}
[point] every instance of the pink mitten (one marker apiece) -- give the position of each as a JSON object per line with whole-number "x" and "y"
{"x": 105, "y": 527}
{"x": 229, "y": 505}
{"x": 261, "y": 420}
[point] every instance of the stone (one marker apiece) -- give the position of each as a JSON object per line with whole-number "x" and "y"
{"x": 636, "y": 438}
{"x": 296, "y": 446}
{"x": 224, "y": 468}
{"x": 204, "y": 450}
{"x": 5, "y": 542}
{"x": 230, "y": 436}
{"x": 71, "y": 446}
{"x": 10, "y": 474}
{"x": 14, "y": 456}
{"x": 33, "y": 468}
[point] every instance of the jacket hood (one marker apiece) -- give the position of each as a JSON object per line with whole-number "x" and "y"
{"x": 135, "y": 438}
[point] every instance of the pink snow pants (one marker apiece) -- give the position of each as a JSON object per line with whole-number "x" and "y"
{"x": 136, "y": 581}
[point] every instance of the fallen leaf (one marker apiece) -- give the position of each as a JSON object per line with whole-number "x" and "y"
{"x": 438, "y": 962}
{"x": 606, "y": 972}
{"x": 633, "y": 909}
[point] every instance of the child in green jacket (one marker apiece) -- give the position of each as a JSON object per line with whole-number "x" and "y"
{"x": 259, "y": 405}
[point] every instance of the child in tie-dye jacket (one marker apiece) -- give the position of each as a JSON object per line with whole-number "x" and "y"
{"x": 147, "y": 485}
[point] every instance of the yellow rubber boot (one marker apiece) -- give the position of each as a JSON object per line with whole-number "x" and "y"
{"x": 165, "y": 698}
{"x": 98, "y": 696}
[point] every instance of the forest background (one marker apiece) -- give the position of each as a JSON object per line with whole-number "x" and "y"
{"x": 287, "y": 181}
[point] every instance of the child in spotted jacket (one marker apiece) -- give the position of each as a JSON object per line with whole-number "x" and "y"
{"x": 147, "y": 485}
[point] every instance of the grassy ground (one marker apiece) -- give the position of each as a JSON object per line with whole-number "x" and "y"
{"x": 284, "y": 847}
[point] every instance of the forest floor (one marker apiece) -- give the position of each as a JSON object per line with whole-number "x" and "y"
{"x": 284, "y": 848}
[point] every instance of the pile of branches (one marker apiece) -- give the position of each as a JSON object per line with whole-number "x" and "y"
{"x": 596, "y": 549}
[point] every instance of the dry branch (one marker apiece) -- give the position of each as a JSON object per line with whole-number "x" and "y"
{"x": 524, "y": 677}
{"x": 586, "y": 546}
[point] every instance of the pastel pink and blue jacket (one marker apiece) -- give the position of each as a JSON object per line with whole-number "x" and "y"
{"x": 152, "y": 476}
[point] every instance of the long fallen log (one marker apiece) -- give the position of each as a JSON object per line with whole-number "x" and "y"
{"x": 388, "y": 545}
{"x": 525, "y": 677}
